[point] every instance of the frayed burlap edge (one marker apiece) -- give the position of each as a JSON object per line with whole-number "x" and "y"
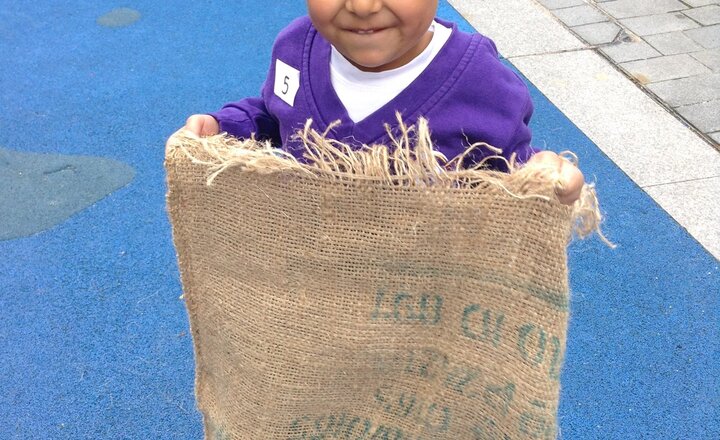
{"x": 411, "y": 161}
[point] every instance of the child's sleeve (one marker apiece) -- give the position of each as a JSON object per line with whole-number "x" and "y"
{"x": 512, "y": 135}
{"x": 505, "y": 106}
{"x": 519, "y": 142}
{"x": 246, "y": 117}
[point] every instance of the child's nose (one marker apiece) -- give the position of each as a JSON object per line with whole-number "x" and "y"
{"x": 363, "y": 8}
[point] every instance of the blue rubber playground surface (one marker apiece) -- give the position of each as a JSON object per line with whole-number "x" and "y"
{"x": 94, "y": 340}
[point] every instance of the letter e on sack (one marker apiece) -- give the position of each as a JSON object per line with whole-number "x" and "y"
{"x": 287, "y": 82}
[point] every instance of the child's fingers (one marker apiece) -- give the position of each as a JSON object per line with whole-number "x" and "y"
{"x": 202, "y": 125}
{"x": 570, "y": 178}
{"x": 194, "y": 124}
{"x": 209, "y": 126}
{"x": 571, "y": 182}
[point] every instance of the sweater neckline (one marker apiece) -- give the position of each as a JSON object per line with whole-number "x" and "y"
{"x": 352, "y": 74}
{"x": 415, "y": 100}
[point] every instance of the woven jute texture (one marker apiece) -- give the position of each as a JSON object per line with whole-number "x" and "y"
{"x": 326, "y": 303}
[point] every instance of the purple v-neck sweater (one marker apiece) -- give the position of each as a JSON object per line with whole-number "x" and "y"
{"x": 466, "y": 94}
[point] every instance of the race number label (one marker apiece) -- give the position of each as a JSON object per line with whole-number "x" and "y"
{"x": 287, "y": 82}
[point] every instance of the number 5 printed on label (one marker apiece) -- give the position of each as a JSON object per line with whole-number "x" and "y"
{"x": 287, "y": 82}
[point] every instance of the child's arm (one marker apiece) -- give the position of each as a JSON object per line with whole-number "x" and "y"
{"x": 571, "y": 178}
{"x": 241, "y": 119}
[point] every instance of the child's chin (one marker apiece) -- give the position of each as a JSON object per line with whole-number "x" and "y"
{"x": 372, "y": 64}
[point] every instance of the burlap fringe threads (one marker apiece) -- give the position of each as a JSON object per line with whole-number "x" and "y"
{"x": 410, "y": 161}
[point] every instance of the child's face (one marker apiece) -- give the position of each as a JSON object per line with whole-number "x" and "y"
{"x": 375, "y": 35}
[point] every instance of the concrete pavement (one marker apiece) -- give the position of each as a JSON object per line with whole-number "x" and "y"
{"x": 670, "y": 48}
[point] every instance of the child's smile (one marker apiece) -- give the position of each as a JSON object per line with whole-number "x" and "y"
{"x": 366, "y": 31}
{"x": 375, "y": 35}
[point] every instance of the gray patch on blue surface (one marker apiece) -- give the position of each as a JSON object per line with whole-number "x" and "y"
{"x": 38, "y": 191}
{"x": 119, "y": 17}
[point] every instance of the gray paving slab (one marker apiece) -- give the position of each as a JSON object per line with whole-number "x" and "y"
{"x": 579, "y": 15}
{"x": 708, "y": 37}
{"x": 710, "y": 58}
{"x": 492, "y": 18}
{"x": 706, "y": 15}
{"x": 705, "y": 115}
{"x": 630, "y": 51}
{"x": 670, "y": 47}
{"x": 716, "y": 136}
{"x": 673, "y": 43}
{"x": 664, "y": 68}
{"x": 686, "y": 91}
{"x": 635, "y": 8}
{"x": 557, "y": 4}
{"x": 696, "y": 3}
{"x": 640, "y": 136}
{"x": 703, "y": 218}
{"x": 597, "y": 33}
{"x": 659, "y": 24}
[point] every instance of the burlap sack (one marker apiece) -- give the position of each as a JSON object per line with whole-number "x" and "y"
{"x": 337, "y": 300}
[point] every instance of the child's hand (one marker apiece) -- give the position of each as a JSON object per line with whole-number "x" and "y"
{"x": 571, "y": 178}
{"x": 202, "y": 125}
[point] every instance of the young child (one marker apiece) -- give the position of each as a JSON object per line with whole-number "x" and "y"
{"x": 361, "y": 61}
